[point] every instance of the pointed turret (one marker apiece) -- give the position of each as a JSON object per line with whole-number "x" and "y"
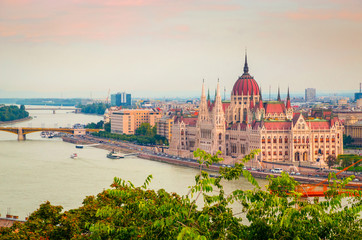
{"x": 219, "y": 117}
{"x": 208, "y": 94}
{"x": 246, "y": 68}
{"x": 260, "y": 101}
{"x": 203, "y": 112}
{"x": 279, "y": 100}
{"x": 288, "y": 105}
{"x": 203, "y": 89}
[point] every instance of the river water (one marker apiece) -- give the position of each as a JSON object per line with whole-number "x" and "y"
{"x": 38, "y": 169}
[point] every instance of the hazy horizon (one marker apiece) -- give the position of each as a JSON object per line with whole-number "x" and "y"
{"x": 159, "y": 48}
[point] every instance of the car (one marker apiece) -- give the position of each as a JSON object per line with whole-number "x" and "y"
{"x": 292, "y": 173}
{"x": 355, "y": 180}
{"x": 253, "y": 169}
{"x": 277, "y": 170}
{"x": 297, "y": 173}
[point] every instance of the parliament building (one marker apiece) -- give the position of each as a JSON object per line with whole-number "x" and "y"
{"x": 246, "y": 122}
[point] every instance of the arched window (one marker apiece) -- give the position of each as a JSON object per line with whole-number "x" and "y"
{"x": 220, "y": 135}
{"x": 274, "y": 140}
{"x": 286, "y": 140}
{"x": 280, "y": 140}
{"x": 182, "y": 132}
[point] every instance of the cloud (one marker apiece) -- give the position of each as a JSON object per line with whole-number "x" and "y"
{"x": 322, "y": 14}
{"x": 41, "y": 20}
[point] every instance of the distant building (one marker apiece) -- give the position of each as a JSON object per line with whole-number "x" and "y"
{"x": 354, "y": 129}
{"x": 310, "y": 94}
{"x": 358, "y": 95}
{"x": 126, "y": 121}
{"x": 164, "y": 126}
{"x": 121, "y": 99}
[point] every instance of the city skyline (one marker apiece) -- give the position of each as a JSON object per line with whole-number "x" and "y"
{"x": 157, "y": 48}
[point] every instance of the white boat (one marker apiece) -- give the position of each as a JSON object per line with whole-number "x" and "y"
{"x": 114, "y": 155}
{"x": 74, "y": 155}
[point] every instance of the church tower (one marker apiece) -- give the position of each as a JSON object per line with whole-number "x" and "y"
{"x": 218, "y": 122}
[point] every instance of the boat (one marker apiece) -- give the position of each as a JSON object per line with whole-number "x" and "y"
{"x": 46, "y": 134}
{"x": 114, "y": 155}
{"x": 74, "y": 155}
{"x": 79, "y": 146}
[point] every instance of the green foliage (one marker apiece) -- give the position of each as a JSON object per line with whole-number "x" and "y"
{"x": 145, "y": 135}
{"x": 92, "y": 125}
{"x": 13, "y": 112}
{"x": 129, "y": 212}
{"x": 347, "y": 140}
{"x": 331, "y": 160}
{"x": 94, "y": 108}
{"x": 107, "y": 127}
{"x": 146, "y": 130}
{"x": 346, "y": 160}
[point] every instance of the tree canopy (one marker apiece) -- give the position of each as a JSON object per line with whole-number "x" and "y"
{"x": 94, "y": 108}
{"x": 128, "y": 212}
{"x": 13, "y": 112}
{"x": 97, "y": 125}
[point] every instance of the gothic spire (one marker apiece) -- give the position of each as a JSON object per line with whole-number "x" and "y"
{"x": 288, "y": 105}
{"x": 208, "y": 94}
{"x": 246, "y": 68}
{"x": 203, "y": 88}
{"x": 278, "y": 94}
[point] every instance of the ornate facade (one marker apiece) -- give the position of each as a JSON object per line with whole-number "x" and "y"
{"x": 246, "y": 122}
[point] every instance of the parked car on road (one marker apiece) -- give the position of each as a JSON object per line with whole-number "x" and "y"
{"x": 277, "y": 170}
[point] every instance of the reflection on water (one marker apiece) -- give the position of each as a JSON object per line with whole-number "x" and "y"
{"x": 38, "y": 169}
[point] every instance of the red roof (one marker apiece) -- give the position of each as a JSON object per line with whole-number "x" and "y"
{"x": 246, "y": 85}
{"x": 190, "y": 121}
{"x": 274, "y": 108}
{"x": 277, "y": 125}
{"x": 225, "y": 106}
{"x": 319, "y": 125}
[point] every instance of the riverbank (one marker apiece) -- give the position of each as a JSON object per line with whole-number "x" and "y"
{"x": 307, "y": 175}
{"x": 15, "y": 121}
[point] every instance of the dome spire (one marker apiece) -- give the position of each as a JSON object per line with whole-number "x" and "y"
{"x": 246, "y": 68}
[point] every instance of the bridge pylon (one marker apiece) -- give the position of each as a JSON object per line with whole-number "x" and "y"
{"x": 21, "y": 135}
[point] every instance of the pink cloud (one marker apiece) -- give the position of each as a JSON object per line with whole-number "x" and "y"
{"x": 308, "y": 14}
{"x": 51, "y": 20}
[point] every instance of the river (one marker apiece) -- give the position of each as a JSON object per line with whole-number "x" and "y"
{"x": 38, "y": 169}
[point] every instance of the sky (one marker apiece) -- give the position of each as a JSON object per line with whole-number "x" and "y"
{"x": 165, "y": 48}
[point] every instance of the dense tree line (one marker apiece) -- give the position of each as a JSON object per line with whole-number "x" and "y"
{"x": 94, "y": 108}
{"x": 92, "y": 125}
{"x": 13, "y": 112}
{"x": 129, "y": 212}
{"x": 145, "y": 135}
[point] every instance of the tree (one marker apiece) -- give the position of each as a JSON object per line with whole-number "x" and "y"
{"x": 331, "y": 160}
{"x": 347, "y": 140}
{"x": 107, "y": 127}
{"x": 145, "y": 130}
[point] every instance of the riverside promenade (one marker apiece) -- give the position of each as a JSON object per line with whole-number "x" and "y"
{"x": 308, "y": 175}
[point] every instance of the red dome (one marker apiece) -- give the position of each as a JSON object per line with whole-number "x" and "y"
{"x": 246, "y": 85}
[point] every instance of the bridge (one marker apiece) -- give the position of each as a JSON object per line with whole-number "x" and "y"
{"x": 76, "y": 110}
{"x": 22, "y": 131}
